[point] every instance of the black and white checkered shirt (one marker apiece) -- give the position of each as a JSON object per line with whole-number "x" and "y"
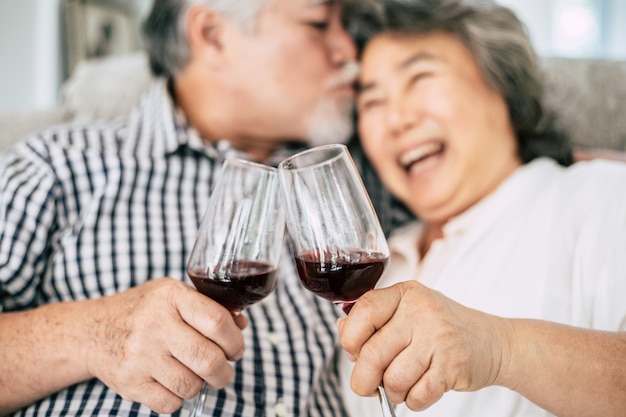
{"x": 91, "y": 210}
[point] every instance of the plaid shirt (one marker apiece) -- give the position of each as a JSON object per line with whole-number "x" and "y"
{"x": 91, "y": 210}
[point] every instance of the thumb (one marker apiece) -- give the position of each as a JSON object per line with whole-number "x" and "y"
{"x": 371, "y": 312}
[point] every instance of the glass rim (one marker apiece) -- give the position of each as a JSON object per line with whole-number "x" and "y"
{"x": 244, "y": 162}
{"x": 343, "y": 150}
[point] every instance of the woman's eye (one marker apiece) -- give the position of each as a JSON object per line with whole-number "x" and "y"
{"x": 321, "y": 25}
{"x": 369, "y": 105}
{"x": 418, "y": 77}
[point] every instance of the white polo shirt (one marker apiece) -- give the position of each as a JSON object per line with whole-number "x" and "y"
{"x": 549, "y": 243}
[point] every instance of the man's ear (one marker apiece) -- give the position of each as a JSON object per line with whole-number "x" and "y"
{"x": 204, "y": 31}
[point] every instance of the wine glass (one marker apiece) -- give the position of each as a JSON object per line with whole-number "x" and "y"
{"x": 237, "y": 248}
{"x": 339, "y": 247}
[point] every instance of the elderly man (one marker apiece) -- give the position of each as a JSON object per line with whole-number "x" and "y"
{"x": 97, "y": 221}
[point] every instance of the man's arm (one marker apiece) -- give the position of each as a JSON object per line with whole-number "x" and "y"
{"x": 152, "y": 344}
{"x": 426, "y": 344}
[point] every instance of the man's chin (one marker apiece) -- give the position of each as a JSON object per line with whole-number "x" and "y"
{"x": 327, "y": 139}
{"x": 331, "y": 124}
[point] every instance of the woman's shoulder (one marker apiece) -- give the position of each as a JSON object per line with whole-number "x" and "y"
{"x": 594, "y": 189}
{"x": 600, "y": 174}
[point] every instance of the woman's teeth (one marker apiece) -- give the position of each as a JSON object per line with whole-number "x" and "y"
{"x": 420, "y": 153}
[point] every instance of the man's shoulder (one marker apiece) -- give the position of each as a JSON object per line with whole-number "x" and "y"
{"x": 100, "y": 137}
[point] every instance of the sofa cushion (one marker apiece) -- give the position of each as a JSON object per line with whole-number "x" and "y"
{"x": 104, "y": 88}
{"x": 589, "y": 96}
{"x": 15, "y": 125}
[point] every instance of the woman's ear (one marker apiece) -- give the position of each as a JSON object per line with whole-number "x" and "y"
{"x": 204, "y": 31}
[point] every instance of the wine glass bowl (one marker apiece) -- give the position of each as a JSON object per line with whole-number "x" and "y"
{"x": 339, "y": 247}
{"x": 238, "y": 285}
{"x": 237, "y": 247}
{"x": 341, "y": 276}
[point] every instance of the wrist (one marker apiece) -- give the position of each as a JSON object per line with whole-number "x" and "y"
{"x": 508, "y": 350}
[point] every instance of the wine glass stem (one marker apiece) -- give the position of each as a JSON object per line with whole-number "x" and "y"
{"x": 198, "y": 405}
{"x": 385, "y": 404}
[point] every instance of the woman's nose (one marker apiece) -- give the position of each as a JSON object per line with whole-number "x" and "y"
{"x": 398, "y": 117}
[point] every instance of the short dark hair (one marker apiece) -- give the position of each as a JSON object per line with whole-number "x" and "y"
{"x": 499, "y": 43}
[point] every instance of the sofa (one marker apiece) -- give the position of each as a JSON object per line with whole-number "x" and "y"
{"x": 98, "y": 89}
{"x": 589, "y": 96}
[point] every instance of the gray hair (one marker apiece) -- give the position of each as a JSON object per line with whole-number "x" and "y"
{"x": 499, "y": 43}
{"x": 165, "y": 29}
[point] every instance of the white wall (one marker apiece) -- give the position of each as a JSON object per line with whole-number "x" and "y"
{"x": 617, "y": 40}
{"x": 29, "y": 46}
{"x": 536, "y": 16}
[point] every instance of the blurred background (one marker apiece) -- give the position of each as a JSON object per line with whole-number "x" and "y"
{"x": 42, "y": 41}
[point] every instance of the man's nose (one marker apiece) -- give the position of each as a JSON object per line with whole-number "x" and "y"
{"x": 342, "y": 46}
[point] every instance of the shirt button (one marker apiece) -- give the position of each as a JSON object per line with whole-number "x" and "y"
{"x": 274, "y": 339}
{"x": 280, "y": 409}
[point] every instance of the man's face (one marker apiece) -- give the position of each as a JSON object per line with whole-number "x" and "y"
{"x": 287, "y": 78}
{"x": 438, "y": 135}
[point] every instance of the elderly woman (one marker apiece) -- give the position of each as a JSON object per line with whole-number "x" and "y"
{"x": 509, "y": 291}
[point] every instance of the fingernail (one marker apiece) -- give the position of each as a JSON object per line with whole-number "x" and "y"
{"x": 239, "y": 355}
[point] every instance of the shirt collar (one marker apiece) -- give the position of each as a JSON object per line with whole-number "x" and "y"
{"x": 404, "y": 242}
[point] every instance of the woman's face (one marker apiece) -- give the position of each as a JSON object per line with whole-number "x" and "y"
{"x": 438, "y": 135}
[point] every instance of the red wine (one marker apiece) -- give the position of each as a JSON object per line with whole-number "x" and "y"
{"x": 241, "y": 284}
{"x": 343, "y": 276}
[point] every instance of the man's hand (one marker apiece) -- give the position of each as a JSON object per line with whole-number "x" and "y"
{"x": 420, "y": 344}
{"x": 155, "y": 343}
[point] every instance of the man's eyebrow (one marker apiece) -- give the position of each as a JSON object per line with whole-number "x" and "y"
{"x": 419, "y": 56}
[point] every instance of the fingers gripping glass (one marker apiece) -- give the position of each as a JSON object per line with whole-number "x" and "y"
{"x": 238, "y": 245}
{"x": 339, "y": 247}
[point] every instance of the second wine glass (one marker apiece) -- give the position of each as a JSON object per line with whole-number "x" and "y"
{"x": 237, "y": 248}
{"x": 338, "y": 244}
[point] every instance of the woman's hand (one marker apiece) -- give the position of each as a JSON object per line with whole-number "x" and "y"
{"x": 420, "y": 344}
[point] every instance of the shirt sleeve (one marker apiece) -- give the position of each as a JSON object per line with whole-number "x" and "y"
{"x": 27, "y": 218}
